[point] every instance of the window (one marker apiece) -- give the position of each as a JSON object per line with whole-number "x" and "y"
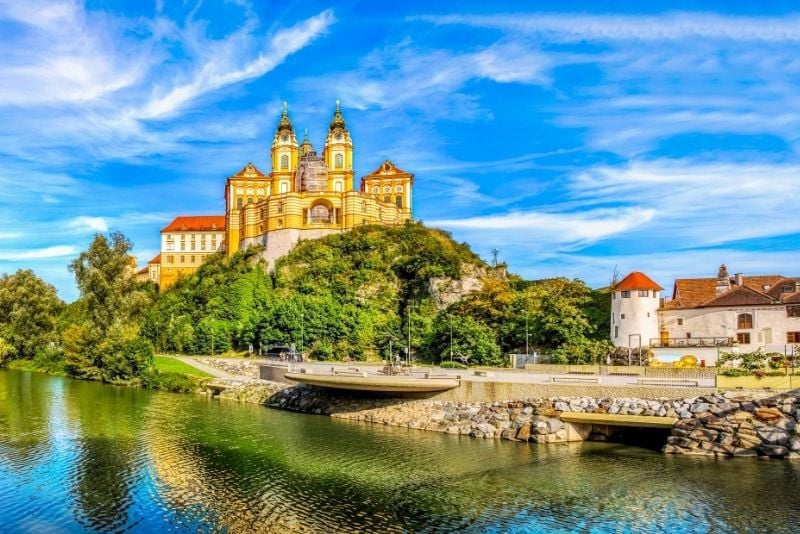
{"x": 183, "y": 245}
{"x": 284, "y": 187}
{"x": 688, "y": 335}
{"x": 744, "y": 321}
{"x": 249, "y": 200}
{"x": 793, "y": 337}
{"x": 387, "y": 198}
{"x": 644, "y": 293}
{"x": 616, "y": 331}
{"x": 339, "y": 161}
{"x": 743, "y": 338}
{"x": 398, "y": 200}
{"x": 337, "y": 187}
{"x": 387, "y": 189}
{"x": 191, "y": 259}
{"x": 284, "y": 161}
{"x": 239, "y": 203}
{"x": 626, "y": 294}
{"x": 363, "y": 206}
{"x": 280, "y": 207}
{"x": 680, "y": 321}
{"x": 622, "y": 316}
{"x": 376, "y": 190}
{"x": 398, "y": 189}
{"x": 171, "y": 246}
{"x": 183, "y": 259}
{"x": 171, "y": 259}
{"x": 202, "y": 245}
{"x": 788, "y": 289}
{"x": 791, "y": 311}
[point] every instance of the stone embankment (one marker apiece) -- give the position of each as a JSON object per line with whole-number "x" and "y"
{"x": 734, "y": 423}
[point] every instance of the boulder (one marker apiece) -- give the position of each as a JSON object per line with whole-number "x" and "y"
{"x": 768, "y": 414}
{"x": 773, "y": 450}
{"x": 773, "y": 436}
{"x": 524, "y": 432}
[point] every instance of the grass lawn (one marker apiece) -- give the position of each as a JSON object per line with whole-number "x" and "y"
{"x": 168, "y": 364}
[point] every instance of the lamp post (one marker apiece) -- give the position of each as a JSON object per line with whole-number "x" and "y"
{"x": 527, "y": 337}
{"x": 302, "y": 333}
{"x": 451, "y": 338}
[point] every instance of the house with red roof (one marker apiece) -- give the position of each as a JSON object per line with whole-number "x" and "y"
{"x": 186, "y": 242}
{"x": 707, "y": 315}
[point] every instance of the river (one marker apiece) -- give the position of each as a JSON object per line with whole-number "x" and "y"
{"x": 77, "y": 456}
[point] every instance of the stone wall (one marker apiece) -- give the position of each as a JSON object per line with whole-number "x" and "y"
{"x": 738, "y": 423}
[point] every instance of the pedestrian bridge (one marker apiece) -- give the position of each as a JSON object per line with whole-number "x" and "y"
{"x": 614, "y": 427}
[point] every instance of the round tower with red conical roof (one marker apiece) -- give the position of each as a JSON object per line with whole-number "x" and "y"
{"x": 634, "y": 311}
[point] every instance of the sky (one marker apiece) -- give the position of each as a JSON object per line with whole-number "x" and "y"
{"x": 576, "y": 138}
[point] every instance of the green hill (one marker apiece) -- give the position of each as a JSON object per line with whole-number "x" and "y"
{"x": 354, "y": 295}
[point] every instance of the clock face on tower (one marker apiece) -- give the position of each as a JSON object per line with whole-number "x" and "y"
{"x": 339, "y": 136}
{"x": 284, "y": 138}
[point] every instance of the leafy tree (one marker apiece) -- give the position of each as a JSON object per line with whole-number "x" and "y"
{"x": 102, "y": 341}
{"x": 470, "y": 339}
{"x": 28, "y": 310}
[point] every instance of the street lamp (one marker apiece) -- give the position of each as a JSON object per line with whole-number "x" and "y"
{"x": 302, "y": 333}
{"x": 451, "y": 339}
{"x": 527, "y": 337}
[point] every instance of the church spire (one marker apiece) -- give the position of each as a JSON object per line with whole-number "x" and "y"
{"x": 306, "y": 147}
{"x": 338, "y": 119}
{"x": 285, "y": 123}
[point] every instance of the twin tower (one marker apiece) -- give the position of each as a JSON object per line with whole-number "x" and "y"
{"x": 307, "y": 195}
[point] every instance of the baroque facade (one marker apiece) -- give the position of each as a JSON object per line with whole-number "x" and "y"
{"x": 306, "y": 195}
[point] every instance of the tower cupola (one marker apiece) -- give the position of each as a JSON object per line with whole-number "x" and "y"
{"x": 285, "y": 124}
{"x": 338, "y": 119}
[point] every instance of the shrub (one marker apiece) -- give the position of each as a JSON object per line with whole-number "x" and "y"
{"x": 49, "y": 359}
{"x": 167, "y": 381}
{"x": 452, "y": 365}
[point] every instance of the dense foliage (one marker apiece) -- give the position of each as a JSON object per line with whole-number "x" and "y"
{"x": 29, "y": 307}
{"x": 361, "y": 294}
{"x": 102, "y": 340}
{"x": 364, "y": 294}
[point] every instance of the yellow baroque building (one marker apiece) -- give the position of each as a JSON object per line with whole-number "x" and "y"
{"x": 307, "y": 196}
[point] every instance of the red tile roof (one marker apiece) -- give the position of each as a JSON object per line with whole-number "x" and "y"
{"x": 143, "y": 270}
{"x": 155, "y": 260}
{"x": 196, "y": 223}
{"x": 637, "y": 280}
{"x": 699, "y": 292}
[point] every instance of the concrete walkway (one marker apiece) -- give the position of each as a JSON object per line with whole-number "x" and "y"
{"x": 213, "y": 371}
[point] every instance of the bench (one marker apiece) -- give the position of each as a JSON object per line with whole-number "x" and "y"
{"x": 352, "y": 371}
{"x": 677, "y": 382}
{"x": 579, "y": 379}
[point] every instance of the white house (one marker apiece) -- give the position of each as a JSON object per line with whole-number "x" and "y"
{"x": 709, "y": 315}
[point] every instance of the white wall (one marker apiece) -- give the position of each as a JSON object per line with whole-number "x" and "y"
{"x": 633, "y": 317}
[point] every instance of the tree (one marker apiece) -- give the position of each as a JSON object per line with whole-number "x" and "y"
{"x": 29, "y": 307}
{"x": 470, "y": 339}
{"x": 103, "y": 339}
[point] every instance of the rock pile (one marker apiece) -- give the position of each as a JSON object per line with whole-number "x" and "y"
{"x": 237, "y": 367}
{"x": 737, "y": 424}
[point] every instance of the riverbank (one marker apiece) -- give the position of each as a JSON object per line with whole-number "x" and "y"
{"x": 724, "y": 424}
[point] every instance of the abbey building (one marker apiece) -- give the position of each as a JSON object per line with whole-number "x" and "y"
{"x": 306, "y": 195}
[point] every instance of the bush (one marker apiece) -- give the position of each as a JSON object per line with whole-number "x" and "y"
{"x": 167, "y": 381}
{"x": 733, "y": 371}
{"x": 49, "y": 359}
{"x": 452, "y": 365}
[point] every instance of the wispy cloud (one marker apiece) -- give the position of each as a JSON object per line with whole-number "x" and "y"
{"x": 613, "y": 27}
{"x": 85, "y": 223}
{"x": 57, "y": 251}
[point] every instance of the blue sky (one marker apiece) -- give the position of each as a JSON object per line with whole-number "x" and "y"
{"x": 572, "y": 136}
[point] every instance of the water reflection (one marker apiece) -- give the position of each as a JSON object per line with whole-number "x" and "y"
{"x": 78, "y": 456}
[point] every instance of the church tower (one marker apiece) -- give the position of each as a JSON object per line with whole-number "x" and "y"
{"x": 338, "y": 154}
{"x": 285, "y": 157}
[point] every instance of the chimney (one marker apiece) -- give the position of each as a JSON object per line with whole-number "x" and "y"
{"x": 723, "y": 280}
{"x": 739, "y": 279}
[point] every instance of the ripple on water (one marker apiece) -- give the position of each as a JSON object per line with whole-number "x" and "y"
{"x": 77, "y": 456}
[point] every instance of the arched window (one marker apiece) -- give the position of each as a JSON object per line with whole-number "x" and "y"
{"x": 284, "y": 161}
{"x": 376, "y": 190}
{"x": 249, "y": 200}
{"x": 744, "y": 320}
{"x": 239, "y": 203}
{"x": 284, "y": 187}
{"x": 387, "y": 189}
{"x": 337, "y": 186}
{"x": 387, "y": 198}
{"x": 399, "y": 201}
{"x": 339, "y": 159}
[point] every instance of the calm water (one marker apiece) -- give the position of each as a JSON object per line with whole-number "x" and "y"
{"x": 78, "y": 456}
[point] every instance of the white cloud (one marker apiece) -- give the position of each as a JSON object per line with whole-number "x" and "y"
{"x": 572, "y": 27}
{"x": 567, "y": 228}
{"x": 10, "y": 235}
{"x": 86, "y": 223}
{"x": 57, "y": 251}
